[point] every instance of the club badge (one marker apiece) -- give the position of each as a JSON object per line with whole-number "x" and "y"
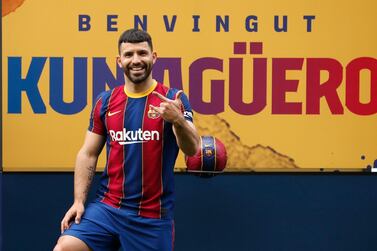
{"x": 208, "y": 151}
{"x": 152, "y": 114}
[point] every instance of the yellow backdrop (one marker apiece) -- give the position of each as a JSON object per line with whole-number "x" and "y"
{"x": 283, "y": 135}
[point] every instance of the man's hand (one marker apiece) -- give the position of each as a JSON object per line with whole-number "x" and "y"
{"x": 185, "y": 131}
{"x": 74, "y": 213}
{"x": 169, "y": 110}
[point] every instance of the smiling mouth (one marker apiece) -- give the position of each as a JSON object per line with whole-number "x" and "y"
{"x": 137, "y": 69}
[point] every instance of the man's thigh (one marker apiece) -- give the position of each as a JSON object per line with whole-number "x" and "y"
{"x": 95, "y": 229}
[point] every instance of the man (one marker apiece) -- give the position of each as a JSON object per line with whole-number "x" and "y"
{"x": 143, "y": 124}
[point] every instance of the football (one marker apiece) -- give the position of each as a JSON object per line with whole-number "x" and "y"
{"x": 210, "y": 159}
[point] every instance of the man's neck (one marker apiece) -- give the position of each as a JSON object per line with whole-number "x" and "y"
{"x": 138, "y": 88}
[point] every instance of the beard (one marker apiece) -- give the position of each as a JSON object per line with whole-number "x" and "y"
{"x": 140, "y": 75}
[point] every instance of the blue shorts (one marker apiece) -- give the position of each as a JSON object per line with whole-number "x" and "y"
{"x": 103, "y": 228}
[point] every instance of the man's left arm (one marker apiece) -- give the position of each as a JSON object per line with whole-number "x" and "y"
{"x": 184, "y": 130}
{"x": 186, "y": 135}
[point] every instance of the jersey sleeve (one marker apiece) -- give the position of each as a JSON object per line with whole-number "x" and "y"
{"x": 186, "y": 108}
{"x": 96, "y": 123}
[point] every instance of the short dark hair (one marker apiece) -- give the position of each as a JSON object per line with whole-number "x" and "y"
{"x": 135, "y": 36}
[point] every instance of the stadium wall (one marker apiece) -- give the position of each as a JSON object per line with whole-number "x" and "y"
{"x": 267, "y": 212}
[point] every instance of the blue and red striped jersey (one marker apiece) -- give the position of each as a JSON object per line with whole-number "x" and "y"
{"x": 141, "y": 150}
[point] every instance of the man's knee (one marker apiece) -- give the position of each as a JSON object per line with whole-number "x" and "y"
{"x": 70, "y": 243}
{"x": 59, "y": 247}
{"x": 63, "y": 246}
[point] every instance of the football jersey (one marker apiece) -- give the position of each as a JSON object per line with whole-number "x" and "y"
{"x": 141, "y": 150}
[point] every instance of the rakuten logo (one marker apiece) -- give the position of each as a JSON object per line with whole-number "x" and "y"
{"x": 131, "y": 137}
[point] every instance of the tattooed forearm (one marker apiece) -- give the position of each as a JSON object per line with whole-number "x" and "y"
{"x": 84, "y": 174}
{"x": 85, "y": 167}
{"x": 91, "y": 172}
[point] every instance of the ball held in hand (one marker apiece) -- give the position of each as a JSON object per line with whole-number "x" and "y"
{"x": 210, "y": 159}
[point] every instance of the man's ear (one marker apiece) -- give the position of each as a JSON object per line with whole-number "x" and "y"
{"x": 119, "y": 62}
{"x": 154, "y": 55}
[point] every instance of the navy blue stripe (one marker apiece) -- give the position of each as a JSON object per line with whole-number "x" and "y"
{"x": 209, "y": 154}
{"x": 91, "y": 120}
{"x": 169, "y": 155}
{"x": 187, "y": 107}
{"x": 104, "y": 107}
{"x": 105, "y": 102}
{"x": 133, "y": 121}
{"x": 171, "y": 93}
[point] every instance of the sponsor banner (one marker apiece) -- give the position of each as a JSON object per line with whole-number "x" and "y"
{"x": 286, "y": 86}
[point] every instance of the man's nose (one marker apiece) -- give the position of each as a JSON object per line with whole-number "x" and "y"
{"x": 136, "y": 59}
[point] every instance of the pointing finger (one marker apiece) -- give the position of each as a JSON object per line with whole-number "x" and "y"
{"x": 157, "y": 109}
{"x": 163, "y": 98}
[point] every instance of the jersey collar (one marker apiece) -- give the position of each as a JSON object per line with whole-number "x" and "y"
{"x": 141, "y": 94}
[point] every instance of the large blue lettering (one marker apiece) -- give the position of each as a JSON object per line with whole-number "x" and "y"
{"x": 102, "y": 75}
{"x": 16, "y": 84}
{"x": 79, "y": 90}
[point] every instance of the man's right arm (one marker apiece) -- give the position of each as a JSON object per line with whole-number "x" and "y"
{"x": 86, "y": 163}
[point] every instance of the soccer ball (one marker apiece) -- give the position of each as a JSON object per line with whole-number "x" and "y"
{"x": 209, "y": 160}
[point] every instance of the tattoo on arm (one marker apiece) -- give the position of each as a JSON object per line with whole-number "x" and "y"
{"x": 91, "y": 171}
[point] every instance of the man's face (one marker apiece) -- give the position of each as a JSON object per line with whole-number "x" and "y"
{"x": 136, "y": 60}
